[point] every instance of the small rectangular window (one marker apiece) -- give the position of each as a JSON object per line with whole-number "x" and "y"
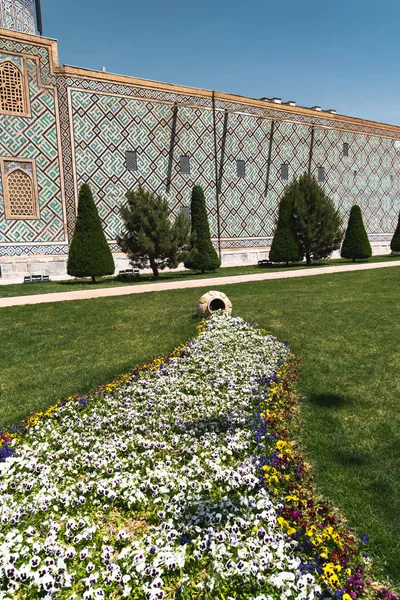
{"x": 131, "y": 160}
{"x": 241, "y": 169}
{"x": 345, "y": 149}
{"x": 284, "y": 172}
{"x": 184, "y": 162}
{"x": 321, "y": 174}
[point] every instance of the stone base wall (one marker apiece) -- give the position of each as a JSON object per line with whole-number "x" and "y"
{"x": 13, "y": 270}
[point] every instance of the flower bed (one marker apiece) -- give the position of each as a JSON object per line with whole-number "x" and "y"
{"x": 180, "y": 480}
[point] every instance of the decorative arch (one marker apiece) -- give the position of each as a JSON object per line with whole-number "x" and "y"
{"x": 11, "y": 89}
{"x": 20, "y": 192}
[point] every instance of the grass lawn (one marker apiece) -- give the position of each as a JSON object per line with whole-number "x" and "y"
{"x": 345, "y": 327}
{"x": 21, "y": 289}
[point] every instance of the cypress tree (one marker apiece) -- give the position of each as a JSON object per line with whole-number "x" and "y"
{"x": 202, "y": 255}
{"x": 285, "y": 245}
{"x": 395, "y": 243}
{"x": 356, "y": 243}
{"x": 89, "y": 254}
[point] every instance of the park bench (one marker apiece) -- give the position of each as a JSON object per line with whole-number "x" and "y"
{"x": 36, "y": 278}
{"x": 129, "y": 274}
{"x": 265, "y": 263}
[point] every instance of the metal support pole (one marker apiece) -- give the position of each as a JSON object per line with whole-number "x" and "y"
{"x": 271, "y": 139}
{"x": 171, "y": 147}
{"x": 223, "y": 143}
{"x": 311, "y": 150}
{"x": 39, "y": 17}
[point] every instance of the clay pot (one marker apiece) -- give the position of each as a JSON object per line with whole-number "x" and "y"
{"x": 213, "y": 301}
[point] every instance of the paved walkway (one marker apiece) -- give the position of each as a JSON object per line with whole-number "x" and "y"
{"x": 211, "y": 282}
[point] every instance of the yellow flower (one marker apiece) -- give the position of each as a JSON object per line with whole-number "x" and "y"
{"x": 289, "y": 498}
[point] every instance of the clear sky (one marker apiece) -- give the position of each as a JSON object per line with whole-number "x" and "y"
{"x": 333, "y": 53}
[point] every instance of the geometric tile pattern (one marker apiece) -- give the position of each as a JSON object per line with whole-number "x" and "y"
{"x": 368, "y": 176}
{"x": 105, "y": 127}
{"x": 112, "y": 118}
{"x": 29, "y": 250}
{"x": 70, "y": 200}
{"x": 34, "y": 138}
{"x": 40, "y": 52}
{"x": 17, "y": 15}
{"x": 109, "y": 123}
{"x": 246, "y": 243}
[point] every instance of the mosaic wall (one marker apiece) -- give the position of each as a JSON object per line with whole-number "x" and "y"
{"x": 36, "y": 138}
{"x": 17, "y": 15}
{"x": 93, "y": 123}
{"x": 368, "y": 176}
{"x": 106, "y": 125}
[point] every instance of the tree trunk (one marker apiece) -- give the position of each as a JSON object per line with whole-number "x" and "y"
{"x": 153, "y": 266}
{"x": 354, "y": 260}
{"x": 308, "y": 258}
{"x": 93, "y": 278}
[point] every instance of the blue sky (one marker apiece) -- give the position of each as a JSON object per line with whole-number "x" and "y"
{"x": 336, "y": 54}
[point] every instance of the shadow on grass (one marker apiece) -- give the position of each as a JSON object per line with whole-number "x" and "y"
{"x": 352, "y": 458}
{"x": 328, "y": 400}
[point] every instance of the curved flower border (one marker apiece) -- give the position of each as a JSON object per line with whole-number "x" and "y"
{"x": 326, "y": 548}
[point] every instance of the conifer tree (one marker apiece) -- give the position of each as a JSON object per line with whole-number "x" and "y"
{"x": 395, "y": 243}
{"x": 149, "y": 238}
{"x": 356, "y": 243}
{"x": 317, "y": 221}
{"x": 202, "y": 255}
{"x": 285, "y": 245}
{"x": 89, "y": 253}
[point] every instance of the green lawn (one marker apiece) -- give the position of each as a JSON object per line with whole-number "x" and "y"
{"x": 21, "y": 289}
{"x": 345, "y": 327}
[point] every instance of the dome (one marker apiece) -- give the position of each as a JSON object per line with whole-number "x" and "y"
{"x": 18, "y": 15}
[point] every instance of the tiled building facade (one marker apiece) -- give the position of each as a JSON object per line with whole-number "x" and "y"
{"x": 62, "y": 126}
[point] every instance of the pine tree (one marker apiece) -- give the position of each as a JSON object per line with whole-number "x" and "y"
{"x": 356, "y": 243}
{"x": 89, "y": 253}
{"x": 285, "y": 245}
{"x": 395, "y": 243}
{"x": 149, "y": 238}
{"x": 317, "y": 221}
{"x": 202, "y": 255}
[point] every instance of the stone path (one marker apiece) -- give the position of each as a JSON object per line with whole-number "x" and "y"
{"x": 211, "y": 282}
